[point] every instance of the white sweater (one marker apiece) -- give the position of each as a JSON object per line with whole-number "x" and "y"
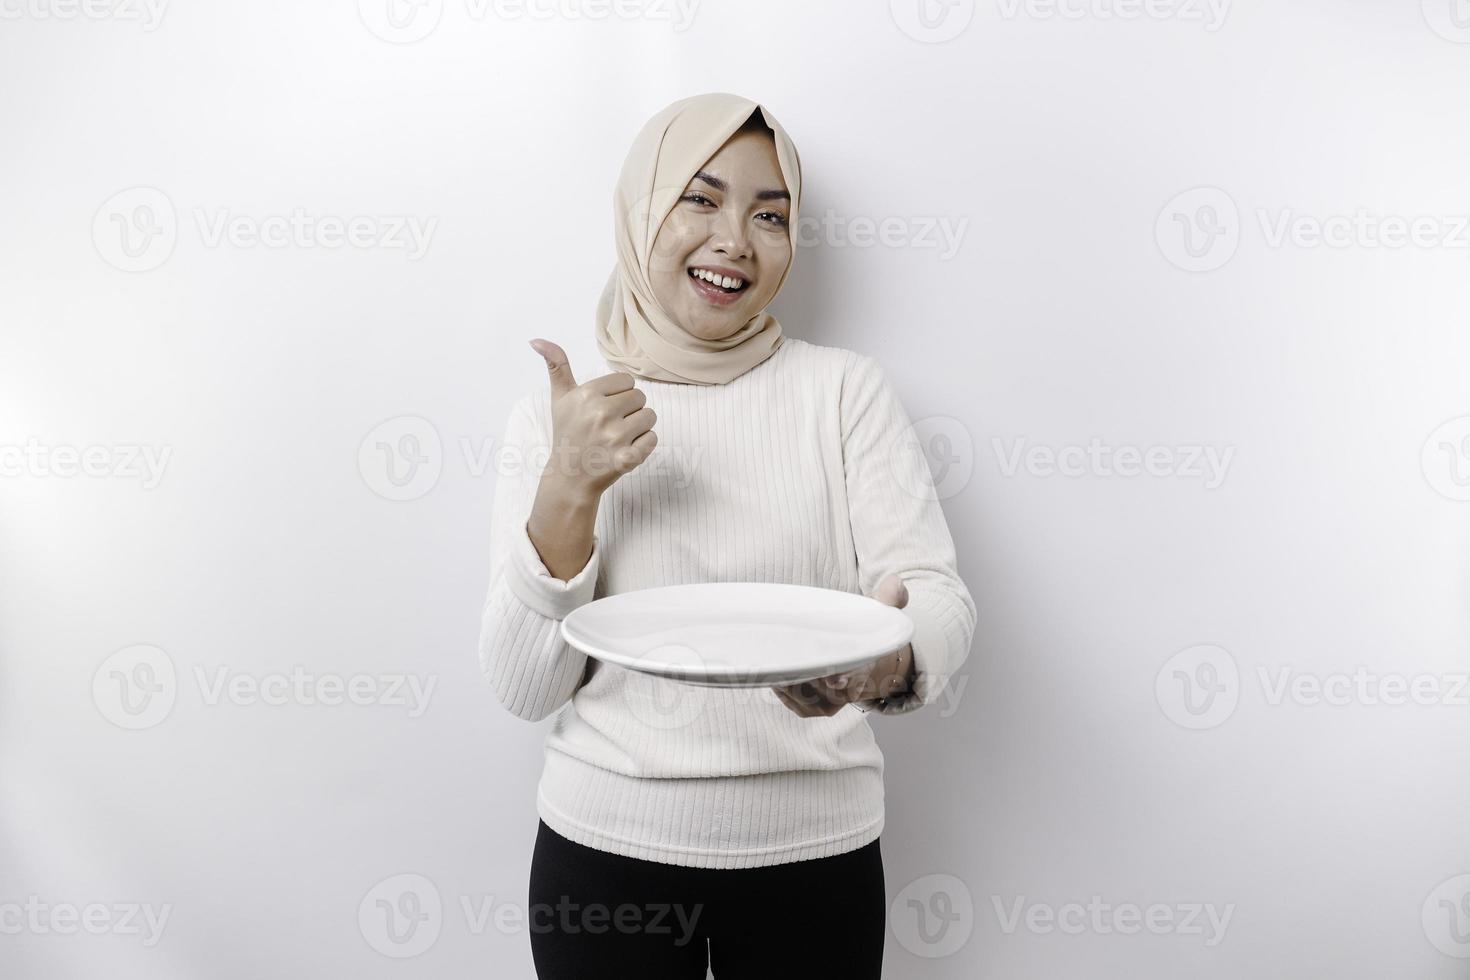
{"x": 797, "y": 472}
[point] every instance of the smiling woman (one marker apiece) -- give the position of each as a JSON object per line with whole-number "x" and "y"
{"x": 687, "y": 212}
{"x": 783, "y": 462}
{"x": 723, "y": 251}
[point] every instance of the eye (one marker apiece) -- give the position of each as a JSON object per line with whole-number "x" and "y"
{"x": 694, "y": 197}
{"x": 775, "y": 217}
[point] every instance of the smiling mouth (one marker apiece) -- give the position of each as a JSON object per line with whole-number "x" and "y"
{"x": 702, "y": 280}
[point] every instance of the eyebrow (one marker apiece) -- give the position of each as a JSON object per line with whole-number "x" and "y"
{"x": 720, "y": 185}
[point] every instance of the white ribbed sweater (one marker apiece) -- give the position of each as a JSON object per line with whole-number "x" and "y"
{"x": 803, "y": 471}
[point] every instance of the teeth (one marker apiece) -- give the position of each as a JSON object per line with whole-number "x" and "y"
{"x": 725, "y": 282}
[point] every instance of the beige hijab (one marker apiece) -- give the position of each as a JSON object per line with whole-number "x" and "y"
{"x": 634, "y": 333}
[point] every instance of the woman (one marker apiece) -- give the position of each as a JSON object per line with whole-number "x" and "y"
{"x": 717, "y": 449}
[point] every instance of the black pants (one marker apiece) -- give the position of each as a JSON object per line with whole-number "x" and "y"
{"x": 594, "y": 914}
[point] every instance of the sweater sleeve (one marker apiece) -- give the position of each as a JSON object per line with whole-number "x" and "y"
{"x": 531, "y": 668}
{"x": 898, "y": 527}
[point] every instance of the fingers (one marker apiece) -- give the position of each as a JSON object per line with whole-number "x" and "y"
{"x": 892, "y": 592}
{"x": 638, "y": 423}
{"x": 611, "y": 384}
{"x": 806, "y": 700}
{"x": 562, "y": 380}
{"x": 622, "y": 403}
{"x": 557, "y": 366}
{"x": 786, "y": 700}
{"x": 645, "y": 444}
{"x": 800, "y": 708}
{"x": 835, "y": 684}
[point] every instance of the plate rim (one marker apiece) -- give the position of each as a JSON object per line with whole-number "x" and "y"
{"x": 722, "y": 678}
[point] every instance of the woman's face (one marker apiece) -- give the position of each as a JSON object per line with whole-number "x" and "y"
{"x": 731, "y": 220}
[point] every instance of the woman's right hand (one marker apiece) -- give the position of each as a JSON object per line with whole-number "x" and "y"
{"x": 601, "y": 430}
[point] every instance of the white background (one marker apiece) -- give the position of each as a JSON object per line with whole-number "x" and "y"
{"x": 1077, "y": 765}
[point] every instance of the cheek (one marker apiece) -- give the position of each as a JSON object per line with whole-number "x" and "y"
{"x": 666, "y": 288}
{"x": 675, "y": 240}
{"x": 775, "y": 253}
{"x": 773, "y": 261}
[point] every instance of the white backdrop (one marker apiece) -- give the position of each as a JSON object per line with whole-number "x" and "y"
{"x": 1176, "y": 288}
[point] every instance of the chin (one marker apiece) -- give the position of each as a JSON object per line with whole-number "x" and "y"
{"x": 715, "y": 332}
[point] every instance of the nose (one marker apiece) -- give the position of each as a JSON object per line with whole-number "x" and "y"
{"x": 729, "y": 235}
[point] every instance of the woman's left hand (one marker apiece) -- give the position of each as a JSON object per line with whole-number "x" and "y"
{"x": 888, "y": 674}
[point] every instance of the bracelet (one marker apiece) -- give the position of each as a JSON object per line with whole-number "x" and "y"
{"x": 897, "y": 697}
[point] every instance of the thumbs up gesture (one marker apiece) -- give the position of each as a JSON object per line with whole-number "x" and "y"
{"x": 881, "y": 678}
{"x": 601, "y": 430}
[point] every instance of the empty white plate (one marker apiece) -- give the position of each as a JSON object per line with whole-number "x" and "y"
{"x": 737, "y": 634}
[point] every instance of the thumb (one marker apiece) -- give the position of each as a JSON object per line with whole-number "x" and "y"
{"x": 892, "y": 592}
{"x": 557, "y": 366}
